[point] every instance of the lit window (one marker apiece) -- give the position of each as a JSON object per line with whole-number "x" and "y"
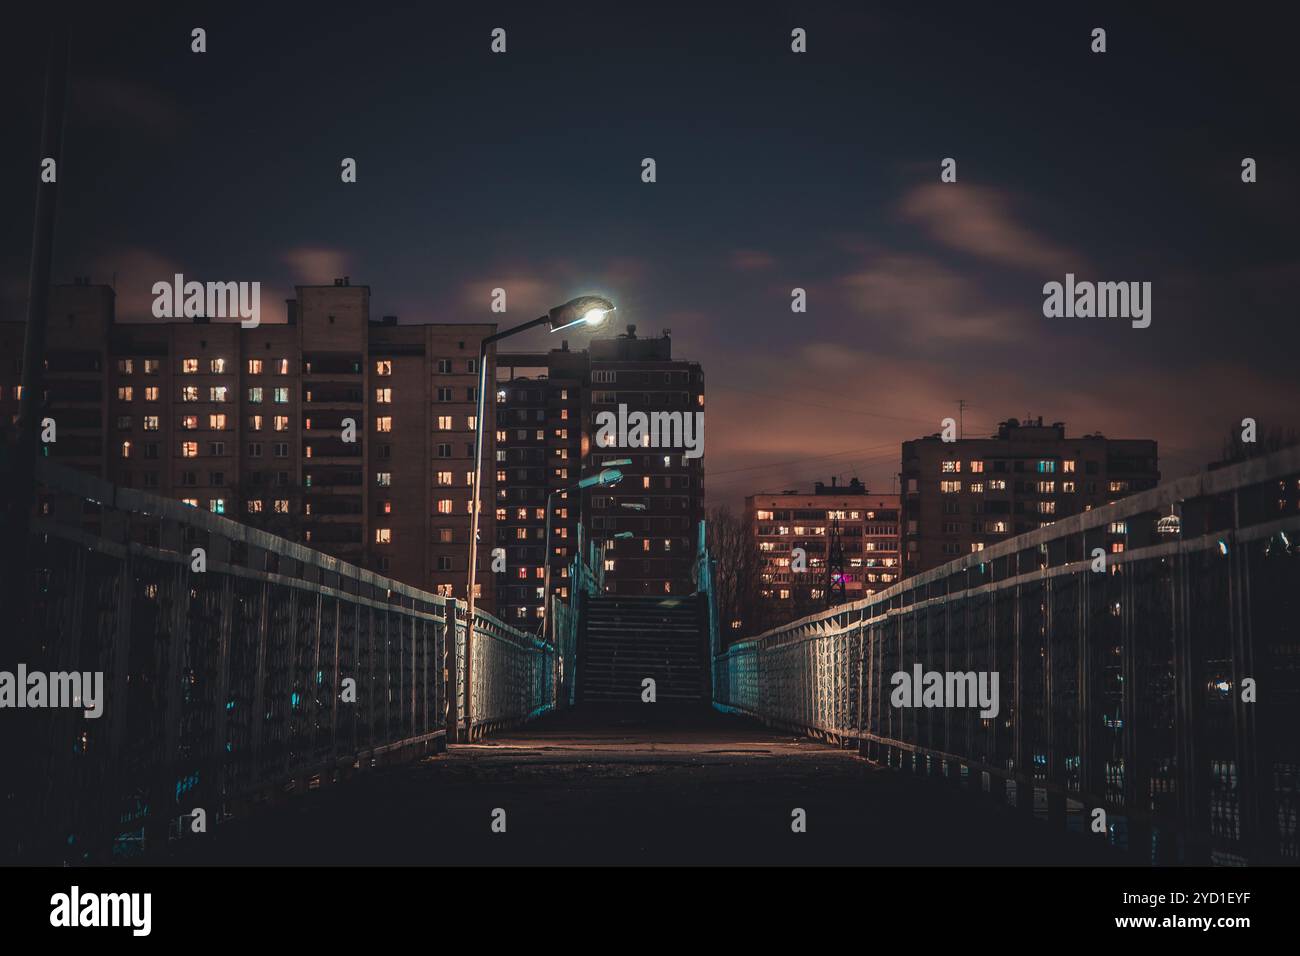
{"x": 444, "y": 423}
{"x": 189, "y": 366}
{"x": 217, "y": 422}
{"x": 383, "y": 367}
{"x": 950, "y": 467}
{"x": 383, "y": 536}
{"x": 949, "y": 487}
{"x": 254, "y": 423}
{"x": 444, "y": 506}
{"x": 281, "y": 506}
{"x": 281, "y": 423}
{"x": 281, "y": 396}
{"x": 217, "y": 393}
{"x": 384, "y": 423}
{"x": 151, "y": 393}
{"x": 384, "y": 478}
{"x": 977, "y": 467}
{"x": 255, "y": 506}
{"x": 384, "y": 396}
{"x": 255, "y": 395}
{"x": 217, "y": 505}
{"x": 125, "y": 393}
{"x": 189, "y": 449}
{"x": 255, "y": 368}
{"x": 151, "y": 423}
{"x": 217, "y": 366}
{"x": 126, "y": 449}
{"x": 444, "y": 478}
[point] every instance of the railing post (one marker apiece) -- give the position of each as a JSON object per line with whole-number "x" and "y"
{"x": 1023, "y": 744}
{"x": 1245, "y": 738}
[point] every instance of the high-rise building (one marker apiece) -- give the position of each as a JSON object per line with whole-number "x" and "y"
{"x": 961, "y": 495}
{"x": 540, "y": 436}
{"x": 549, "y": 415}
{"x": 858, "y": 525}
{"x": 661, "y": 500}
{"x": 256, "y": 424}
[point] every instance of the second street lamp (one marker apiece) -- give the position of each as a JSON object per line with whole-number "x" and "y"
{"x": 605, "y": 478}
{"x": 588, "y": 310}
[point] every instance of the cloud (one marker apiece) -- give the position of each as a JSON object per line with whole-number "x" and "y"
{"x": 978, "y": 221}
{"x": 751, "y": 260}
{"x": 316, "y": 265}
{"x": 925, "y": 302}
{"x": 132, "y": 272}
{"x": 107, "y": 101}
{"x": 525, "y": 294}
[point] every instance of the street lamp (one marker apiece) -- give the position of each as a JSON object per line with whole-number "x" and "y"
{"x": 605, "y": 478}
{"x": 587, "y": 310}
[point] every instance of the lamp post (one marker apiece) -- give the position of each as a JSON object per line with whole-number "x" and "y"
{"x": 605, "y": 478}
{"x": 584, "y": 310}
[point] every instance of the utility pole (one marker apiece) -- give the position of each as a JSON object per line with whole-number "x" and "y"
{"x": 21, "y": 739}
{"x": 835, "y": 590}
{"x": 22, "y": 466}
{"x": 961, "y": 418}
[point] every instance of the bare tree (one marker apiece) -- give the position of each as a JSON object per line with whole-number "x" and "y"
{"x": 739, "y": 577}
{"x": 1275, "y": 439}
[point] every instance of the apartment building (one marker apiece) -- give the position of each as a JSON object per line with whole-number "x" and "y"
{"x": 863, "y": 526}
{"x": 547, "y": 440}
{"x": 963, "y": 495}
{"x": 350, "y": 434}
{"x": 660, "y": 503}
{"x": 540, "y": 442}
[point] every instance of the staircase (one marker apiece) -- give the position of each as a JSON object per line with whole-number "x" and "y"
{"x": 627, "y": 639}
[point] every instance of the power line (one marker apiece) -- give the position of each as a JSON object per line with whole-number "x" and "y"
{"x": 765, "y": 466}
{"x": 834, "y": 408}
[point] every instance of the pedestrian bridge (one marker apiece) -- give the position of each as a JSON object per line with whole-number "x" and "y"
{"x": 1147, "y": 708}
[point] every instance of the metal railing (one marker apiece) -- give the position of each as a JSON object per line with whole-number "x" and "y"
{"x": 266, "y": 667}
{"x": 704, "y": 574}
{"x": 586, "y": 580}
{"x": 1163, "y": 689}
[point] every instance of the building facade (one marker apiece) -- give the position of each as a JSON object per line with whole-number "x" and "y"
{"x": 350, "y": 434}
{"x": 549, "y": 409}
{"x": 864, "y": 525}
{"x": 960, "y": 496}
{"x": 540, "y": 440}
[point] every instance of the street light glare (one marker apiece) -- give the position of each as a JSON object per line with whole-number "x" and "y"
{"x": 584, "y": 310}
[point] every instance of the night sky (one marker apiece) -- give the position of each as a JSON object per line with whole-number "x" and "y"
{"x": 775, "y": 170}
